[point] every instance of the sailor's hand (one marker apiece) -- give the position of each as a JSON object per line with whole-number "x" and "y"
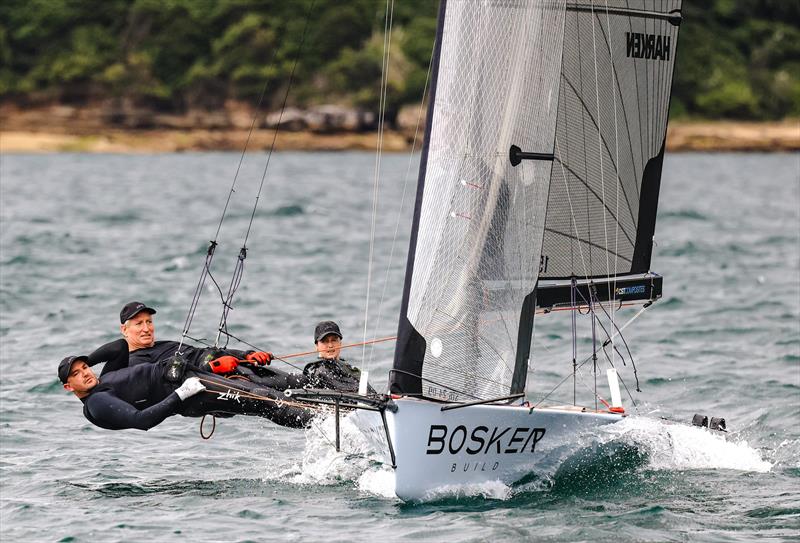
{"x": 189, "y": 388}
{"x": 259, "y": 357}
{"x": 224, "y": 364}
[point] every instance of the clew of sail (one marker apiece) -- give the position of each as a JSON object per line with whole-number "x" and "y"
{"x": 479, "y": 221}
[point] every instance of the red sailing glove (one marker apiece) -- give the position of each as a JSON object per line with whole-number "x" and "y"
{"x": 259, "y": 357}
{"x": 224, "y": 364}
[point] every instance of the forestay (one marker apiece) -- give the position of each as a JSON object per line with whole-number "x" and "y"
{"x": 478, "y": 221}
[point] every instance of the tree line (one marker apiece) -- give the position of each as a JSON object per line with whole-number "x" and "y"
{"x": 737, "y": 59}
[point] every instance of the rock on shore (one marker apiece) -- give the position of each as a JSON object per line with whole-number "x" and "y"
{"x": 118, "y": 127}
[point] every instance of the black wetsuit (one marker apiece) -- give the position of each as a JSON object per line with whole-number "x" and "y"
{"x": 116, "y": 356}
{"x": 163, "y": 350}
{"x": 139, "y": 397}
{"x": 333, "y": 374}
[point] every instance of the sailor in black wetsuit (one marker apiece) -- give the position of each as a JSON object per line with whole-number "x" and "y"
{"x": 138, "y": 346}
{"x": 138, "y": 331}
{"x": 141, "y": 397}
{"x": 331, "y": 371}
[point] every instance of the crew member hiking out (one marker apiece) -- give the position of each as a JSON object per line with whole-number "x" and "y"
{"x": 142, "y": 397}
{"x": 139, "y": 346}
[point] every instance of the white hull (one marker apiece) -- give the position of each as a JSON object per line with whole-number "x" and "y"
{"x": 468, "y": 446}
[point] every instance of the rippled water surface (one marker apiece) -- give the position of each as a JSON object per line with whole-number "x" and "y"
{"x": 81, "y": 235}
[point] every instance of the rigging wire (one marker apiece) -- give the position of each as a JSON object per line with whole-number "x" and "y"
{"x": 238, "y": 271}
{"x": 568, "y": 375}
{"x": 420, "y": 113}
{"x": 610, "y": 337}
{"x": 595, "y": 20}
{"x": 573, "y": 288}
{"x": 259, "y": 397}
{"x": 603, "y": 196}
{"x": 351, "y": 345}
{"x": 589, "y": 357}
{"x": 618, "y": 180}
{"x": 387, "y": 42}
{"x": 206, "y": 271}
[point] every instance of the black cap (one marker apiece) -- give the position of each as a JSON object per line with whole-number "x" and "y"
{"x": 65, "y": 365}
{"x": 131, "y": 309}
{"x": 324, "y": 328}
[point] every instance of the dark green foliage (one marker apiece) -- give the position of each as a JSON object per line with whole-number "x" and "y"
{"x": 736, "y": 58}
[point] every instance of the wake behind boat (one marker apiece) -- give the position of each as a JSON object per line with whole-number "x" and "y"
{"x": 537, "y": 192}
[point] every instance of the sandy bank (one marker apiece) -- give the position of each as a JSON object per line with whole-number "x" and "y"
{"x": 681, "y": 136}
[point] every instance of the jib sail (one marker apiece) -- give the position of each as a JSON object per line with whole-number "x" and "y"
{"x": 478, "y": 220}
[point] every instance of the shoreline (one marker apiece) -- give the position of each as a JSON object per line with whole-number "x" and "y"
{"x": 698, "y": 136}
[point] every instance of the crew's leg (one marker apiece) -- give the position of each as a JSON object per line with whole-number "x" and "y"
{"x": 242, "y": 397}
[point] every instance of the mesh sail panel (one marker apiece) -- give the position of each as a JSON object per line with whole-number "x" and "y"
{"x": 615, "y": 87}
{"x": 476, "y": 245}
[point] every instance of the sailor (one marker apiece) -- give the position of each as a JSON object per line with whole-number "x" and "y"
{"x": 331, "y": 371}
{"x": 142, "y": 396}
{"x": 138, "y": 346}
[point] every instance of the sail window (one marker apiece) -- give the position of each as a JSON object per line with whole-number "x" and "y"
{"x": 436, "y": 347}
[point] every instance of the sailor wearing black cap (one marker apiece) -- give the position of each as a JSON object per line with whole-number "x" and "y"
{"x": 141, "y": 396}
{"x": 127, "y": 398}
{"x": 136, "y": 325}
{"x": 138, "y": 332}
{"x": 139, "y": 346}
{"x": 331, "y": 371}
{"x": 328, "y": 339}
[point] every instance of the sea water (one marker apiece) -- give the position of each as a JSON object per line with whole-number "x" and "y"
{"x": 81, "y": 235}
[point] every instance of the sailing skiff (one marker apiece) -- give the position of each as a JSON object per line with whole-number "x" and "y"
{"x": 537, "y": 191}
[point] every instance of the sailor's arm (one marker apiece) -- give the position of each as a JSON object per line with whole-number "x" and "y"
{"x": 113, "y": 353}
{"x": 109, "y": 411}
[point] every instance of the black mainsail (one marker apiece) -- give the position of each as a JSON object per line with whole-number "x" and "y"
{"x": 581, "y": 87}
{"x": 616, "y": 77}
